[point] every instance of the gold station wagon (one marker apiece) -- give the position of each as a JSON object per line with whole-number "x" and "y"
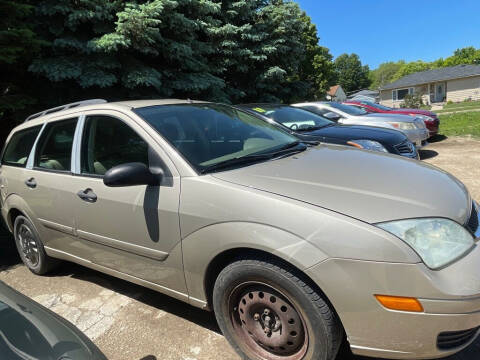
{"x": 294, "y": 245}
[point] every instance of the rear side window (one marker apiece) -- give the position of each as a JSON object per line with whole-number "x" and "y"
{"x": 54, "y": 150}
{"x": 19, "y": 147}
{"x": 108, "y": 142}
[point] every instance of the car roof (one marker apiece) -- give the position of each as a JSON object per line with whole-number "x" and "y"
{"x": 97, "y": 104}
{"x": 261, "y": 104}
{"x": 314, "y": 103}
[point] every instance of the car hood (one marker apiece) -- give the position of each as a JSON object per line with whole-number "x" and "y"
{"x": 355, "y": 132}
{"x": 372, "y": 187}
{"x": 386, "y": 117}
{"x": 414, "y": 111}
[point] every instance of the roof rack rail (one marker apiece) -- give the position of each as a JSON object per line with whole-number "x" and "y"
{"x": 65, "y": 107}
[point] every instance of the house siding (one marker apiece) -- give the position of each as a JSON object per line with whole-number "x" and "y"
{"x": 463, "y": 89}
{"x": 386, "y": 98}
{"x": 458, "y": 90}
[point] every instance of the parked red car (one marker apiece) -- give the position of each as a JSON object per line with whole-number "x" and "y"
{"x": 430, "y": 118}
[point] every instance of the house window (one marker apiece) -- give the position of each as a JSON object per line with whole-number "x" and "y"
{"x": 400, "y": 94}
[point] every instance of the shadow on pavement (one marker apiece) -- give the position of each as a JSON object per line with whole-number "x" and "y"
{"x": 149, "y": 297}
{"x": 8, "y": 252}
{"x": 437, "y": 138}
{"x": 427, "y": 154}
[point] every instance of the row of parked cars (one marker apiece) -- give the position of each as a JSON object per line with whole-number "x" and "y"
{"x": 338, "y": 123}
{"x": 296, "y": 245}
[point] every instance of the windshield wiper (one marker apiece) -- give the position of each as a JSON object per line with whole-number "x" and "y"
{"x": 284, "y": 150}
{"x": 310, "y": 128}
{"x": 311, "y": 142}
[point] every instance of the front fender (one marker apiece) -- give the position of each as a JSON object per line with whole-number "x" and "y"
{"x": 202, "y": 246}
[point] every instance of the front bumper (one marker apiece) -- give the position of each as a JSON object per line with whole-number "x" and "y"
{"x": 450, "y": 297}
{"x": 417, "y": 136}
{"x": 433, "y": 126}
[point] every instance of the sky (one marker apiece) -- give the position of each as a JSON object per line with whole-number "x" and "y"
{"x": 384, "y": 30}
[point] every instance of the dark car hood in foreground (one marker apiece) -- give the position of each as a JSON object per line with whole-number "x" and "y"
{"x": 369, "y": 186}
{"x": 356, "y": 132}
{"x": 30, "y": 331}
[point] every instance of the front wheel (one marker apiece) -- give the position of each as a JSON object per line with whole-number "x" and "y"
{"x": 267, "y": 312}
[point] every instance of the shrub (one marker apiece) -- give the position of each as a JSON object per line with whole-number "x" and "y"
{"x": 412, "y": 101}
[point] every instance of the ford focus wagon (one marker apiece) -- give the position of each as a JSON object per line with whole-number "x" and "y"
{"x": 295, "y": 246}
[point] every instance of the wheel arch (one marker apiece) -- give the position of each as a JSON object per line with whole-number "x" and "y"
{"x": 12, "y": 215}
{"x": 15, "y": 206}
{"x": 208, "y": 250}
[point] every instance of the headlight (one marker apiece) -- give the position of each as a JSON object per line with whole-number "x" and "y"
{"x": 367, "y": 145}
{"x": 403, "y": 125}
{"x": 437, "y": 241}
{"x": 423, "y": 117}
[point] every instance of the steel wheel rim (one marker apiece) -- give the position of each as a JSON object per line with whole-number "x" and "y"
{"x": 267, "y": 322}
{"x": 28, "y": 245}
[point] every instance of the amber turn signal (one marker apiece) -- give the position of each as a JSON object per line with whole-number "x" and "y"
{"x": 400, "y": 303}
{"x": 351, "y": 143}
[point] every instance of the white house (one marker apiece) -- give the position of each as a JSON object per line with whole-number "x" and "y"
{"x": 455, "y": 83}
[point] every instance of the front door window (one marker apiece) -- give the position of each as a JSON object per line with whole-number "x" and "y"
{"x": 108, "y": 142}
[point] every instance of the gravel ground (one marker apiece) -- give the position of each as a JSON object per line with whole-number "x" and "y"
{"x": 129, "y": 322}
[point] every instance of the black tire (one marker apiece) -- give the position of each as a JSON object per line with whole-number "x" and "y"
{"x": 257, "y": 279}
{"x": 24, "y": 232}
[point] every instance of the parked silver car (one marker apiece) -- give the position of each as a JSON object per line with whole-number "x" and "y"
{"x": 413, "y": 127}
{"x": 293, "y": 246}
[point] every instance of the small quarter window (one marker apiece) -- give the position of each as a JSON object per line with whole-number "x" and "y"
{"x": 19, "y": 147}
{"x": 108, "y": 142}
{"x": 54, "y": 150}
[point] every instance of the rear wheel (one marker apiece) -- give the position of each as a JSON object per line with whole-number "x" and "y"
{"x": 30, "y": 247}
{"x": 266, "y": 311}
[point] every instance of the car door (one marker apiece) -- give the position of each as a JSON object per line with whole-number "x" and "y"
{"x": 133, "y": 230}
{"x": 46, "y": 183}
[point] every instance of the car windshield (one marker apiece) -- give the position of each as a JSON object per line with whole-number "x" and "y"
{"x": 377, "y": 106}
{"x": 292, "y": 117}
{"x": 350, "y": 110}
{"x": 210, "y": 134}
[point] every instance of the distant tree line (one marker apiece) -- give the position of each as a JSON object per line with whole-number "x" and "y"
{"x": 391, "y": 71}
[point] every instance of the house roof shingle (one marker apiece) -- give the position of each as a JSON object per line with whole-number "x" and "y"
{"x": 440, "y": 74}
{"x": 365, "y": 92}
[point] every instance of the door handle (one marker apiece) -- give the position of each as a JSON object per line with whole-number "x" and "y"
{"x": 87, "y": 195}
{"x": 31, "y": 183}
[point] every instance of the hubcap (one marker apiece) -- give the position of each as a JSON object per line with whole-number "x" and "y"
{"x": 28, "y": 245}
{"x": 269, "y": 323}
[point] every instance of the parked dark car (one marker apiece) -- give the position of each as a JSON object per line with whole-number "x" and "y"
{"x": 30, "y": 331}
{"x": 309, "y": 126}
{"x": 430, "y": 118}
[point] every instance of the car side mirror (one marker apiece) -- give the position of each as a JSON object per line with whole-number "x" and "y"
{"x": 131, "y": 174}
{"x": 332, "y": 116}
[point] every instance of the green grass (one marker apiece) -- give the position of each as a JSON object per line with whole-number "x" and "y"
{"x": 462, "y": 106}
{"x": 460, "y": 124}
